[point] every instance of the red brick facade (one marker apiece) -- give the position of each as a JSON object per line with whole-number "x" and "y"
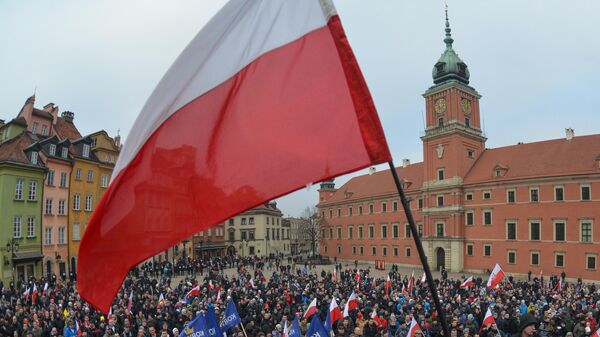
{"x": 529, "y": 207}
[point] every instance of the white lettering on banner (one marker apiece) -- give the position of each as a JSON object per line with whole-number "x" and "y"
{"x": 316, "y": 334}
{"x": 228, "y": 319}
{"x": 196, "y": 334}
{"x": 212, "y": 332}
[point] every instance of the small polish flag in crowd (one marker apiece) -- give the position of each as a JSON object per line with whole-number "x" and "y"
{"x": 26, "y": 293}
{"x": 195, "y": 291}
{"x": 161, "y": 301}
{"x": 495, "y": 277}
{"x": 411, "y": 282}
{"x": 423, "y": 278}
{"x": 351, "y": 304}
{"x": 45, "y": 291}
{"x": 109, "y": 317}
{"x": 403, "y": 289}
{"x": 219, "y": 297}
{"x": 388, "y": 285}
{"x": 414, "y": 327}
{"x": 559, "y": 285}
{"x": 488, "y": 319}
{"x": 252, "y": 283}
{"x": 286, "y": 330}
{"x": 467, "y": 283}
{"x": 334, "y": 275}
{"x": 334, "y": 311}
{"x": 130, "y": 302}
{"x": 357, "y": 278}
{"x": 596, "y": 334}
{"x": 312, "y": 308}
{"x": 35, "y": 293}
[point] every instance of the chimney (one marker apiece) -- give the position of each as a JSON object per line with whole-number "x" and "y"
{"x": 118, "y": 140}
{"x": 570, "y": 133}
{"x": 405, "y": 162}
{"x": 48, "y": 107}
{"x": 68, "y": 116}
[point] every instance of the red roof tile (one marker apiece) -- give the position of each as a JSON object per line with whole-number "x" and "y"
{"x": 66, "y": 130}
{"x": 12, "y": 150}
{"x": 377, "y": 184}
{"x": 554, "y": 157}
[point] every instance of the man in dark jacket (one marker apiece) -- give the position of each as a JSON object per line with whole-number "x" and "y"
{"x": 527, "y": 326}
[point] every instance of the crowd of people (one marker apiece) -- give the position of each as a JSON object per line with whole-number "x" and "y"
{"x": 268, "y": 305}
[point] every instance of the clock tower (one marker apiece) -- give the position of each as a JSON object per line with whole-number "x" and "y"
{"x": 452, "y": 142}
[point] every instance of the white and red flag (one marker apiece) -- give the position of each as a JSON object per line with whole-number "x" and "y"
{"x": 388, "y": 285}
{"x": 286, "y": 330}
{"x": 45, "y": 290}
{"x": 334, "y": 311}
{"x": 161, "y": 301}
{"x": 334, "y": 275}
{"x": 403, "y": 289}
{"x": 195, "y": 291}
{"x": 130, "y": 302}
{"x": 495, "y": 277}
{"x": 414, "y": 327}
{"x": 488, "y": 319}
{"x": 467, "y": 283}
{"x": 312, "y": 308}
{"x": 596, "y": 333}
{"x": 27, "y": 293}
{"x": 423, "y": 278}
{"x": 351, "y": 304}
{"x": 264, "y": 78}
{"x": 411, "y": 282}
{"x": 559, "y": 285}
{"x": 34, "y": 294}
{"x": 109, "y": 317}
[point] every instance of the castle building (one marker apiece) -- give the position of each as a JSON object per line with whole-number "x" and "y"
{"x": 529, "y": 207}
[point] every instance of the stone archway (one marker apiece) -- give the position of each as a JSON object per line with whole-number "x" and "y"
{"x": 231, "y": 250}
{"x": 440, "y": 258}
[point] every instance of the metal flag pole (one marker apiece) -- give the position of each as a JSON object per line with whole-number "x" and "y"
{"x": 422, "y": 256}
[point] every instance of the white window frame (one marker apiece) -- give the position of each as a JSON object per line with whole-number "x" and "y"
{"x": 508, "y": 191}
{"x": 384, "y": 251}
{"x": 19, "y": 189}
{"x": 557, "y": 221}
{"x": 383, "y": 207}
{"x": 88, "y": 202}
{"x": 52, "y": 150}
{"x": 76, "y": 231}
{"x": 564, "y": 258}
{"x": 34, "y": 158}
{"x": 539, "y": 222}
{"x": 350, "y": 231}
{"x": 90, "y": 176}
{"x": 534, "y": 188}
{"x": 483, "y": 213}
{"x": 508, "y": 252}
{"x": 472, "y": 213}
{"x": 104, "y": 181}
{"x": 86, "y": 150}
{"x": 30, "y": 227}
{"x": 32, "y": 190}
{"x": 383, "y": 228}
{"x": 77, "y": 201}
{"x": 78, "y": 174}
{"x": 587, "y": 256}
{"x": 483, "y": 251}
{"x": 484, "y": 192}
{"x": 441, "y": 171}
{"x": 64, "y": 179}
{"x": 437, "y": 224}
{"x": 469, "y": 196}
{"x": 48, "y": 236}
{"x": 531, "y": 253}
{"x": 48, "y": 210}
{"x": 17, "y": 222}
{"x": 62, "y": 206}
{"x": 557, "y": 187}
{"x": 512, "y": 221}
{"x": 472, "y": 249}
{"x": 581, "y": 186}
{"x": 437, "y": 200}
{"x": 50, "y": 180}
{"x": 64, "y": 152}
{"x": 61, "y": 235}
{"x": 371, "y": 233}
{"x": 407, "y": 251}
{"x": 591, "y": 223}
{"x": 373, "y": 250}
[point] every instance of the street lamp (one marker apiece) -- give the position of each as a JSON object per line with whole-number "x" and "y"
{"x": 12, "y": 246}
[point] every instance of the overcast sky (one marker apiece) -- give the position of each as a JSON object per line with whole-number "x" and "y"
{"x": 534, "y": 61}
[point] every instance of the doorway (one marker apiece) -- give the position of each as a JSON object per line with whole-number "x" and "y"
{"x": 440, "y": 258}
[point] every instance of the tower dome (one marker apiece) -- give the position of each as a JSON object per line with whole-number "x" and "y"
{"x": 450, "y": 66}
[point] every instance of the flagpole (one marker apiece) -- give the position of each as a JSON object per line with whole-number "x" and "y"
{"x": 422, "y": 256}
{"x": 243, "y": 330}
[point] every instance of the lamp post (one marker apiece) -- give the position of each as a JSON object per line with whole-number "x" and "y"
{"x": 184, "y": 243}
{"x": 12, "y": 246}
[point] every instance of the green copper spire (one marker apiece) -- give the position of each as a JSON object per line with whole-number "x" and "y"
{"x": 448, "y": 38}
{"x": 450, "y": 67}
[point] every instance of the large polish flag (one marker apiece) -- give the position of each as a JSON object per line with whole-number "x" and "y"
{"x": 267, "y": 98}
{"x": 312, "y": 309}
{"x": 467, "y": 283}
{"x": 351, "y": 304}
{"x": 334, "y": 311}
{"x": 496, "y": 276}
{"x": 488, "y": 319}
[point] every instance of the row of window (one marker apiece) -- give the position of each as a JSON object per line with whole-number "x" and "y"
{"x": 272, "y": 234}
{"x": 360, "y": 250}
{"x": 209, "y": 232}
{"x": 64, "y": 177}
{"x": 559, "y": 229}
{"x": 395, "y": 231}
{"x": 77, "y": 202}
{"x": 48, "y": 238}
{"x": 534, "y": 196}
{"x": 534, "y": 256}
{"x": 250, "y": 221}
{"x": 32, "y": 189}
{"x": 43, "y": 130}
{"x": 61, "y": 207}
{"x": 585, "y": 194}
{"x": 17, "y": 227}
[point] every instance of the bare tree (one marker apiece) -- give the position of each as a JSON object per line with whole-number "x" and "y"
{"x": 311, "y": 229}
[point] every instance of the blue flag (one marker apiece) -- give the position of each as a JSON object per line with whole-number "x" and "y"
{"x": 316, "y": 328}
{"x": 232, "y": 318}
{"x": 212, "y": 325}
{"x": 196, "y": 328}
{"x": 295, "y": 331}
{"x": 328, "y": 323}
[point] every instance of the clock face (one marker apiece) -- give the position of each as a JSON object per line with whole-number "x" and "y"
{"x": 440, "y": 105}
{"x": 465, "y": 105}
